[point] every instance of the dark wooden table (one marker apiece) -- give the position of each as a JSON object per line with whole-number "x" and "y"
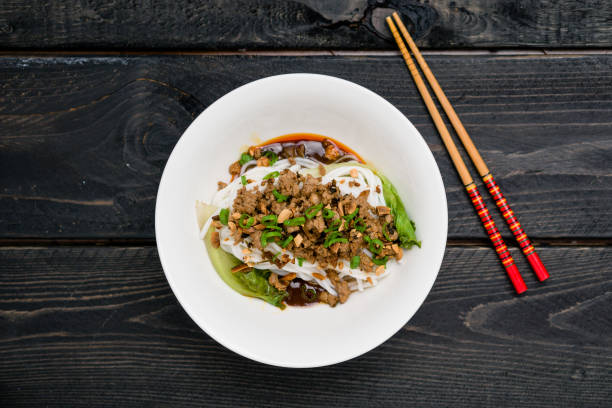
{"x": 95, "y": 94}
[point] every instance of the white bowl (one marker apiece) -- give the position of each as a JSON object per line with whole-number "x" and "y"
{"x": 317, "y": 335}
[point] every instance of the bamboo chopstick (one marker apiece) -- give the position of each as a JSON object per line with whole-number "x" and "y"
{"x": 483, "y": 170}
{"x": 466, "y": 178}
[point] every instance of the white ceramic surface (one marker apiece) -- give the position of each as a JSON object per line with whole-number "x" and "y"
{"x": 317, "y": 335}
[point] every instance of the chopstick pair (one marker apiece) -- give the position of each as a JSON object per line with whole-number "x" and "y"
{"x": 466, "y": 178}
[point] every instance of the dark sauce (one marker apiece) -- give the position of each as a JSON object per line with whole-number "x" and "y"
{"x": 310, "y": 146}
{"x": 302, "y": 293}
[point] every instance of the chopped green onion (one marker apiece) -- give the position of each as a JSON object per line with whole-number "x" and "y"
{"x": 308, "y": 294}
{"x": 355, "y": 261}
{"x": 268, "y": 234}
{"x": 224, "y": 216}
{"x": 331, "y": 235}
{"x": 335, "y": 224}
{"x": 376, "y": 245}
{"x": 351, "y": 215}
{"x": 249, "y": 221}
{"x": 271, "y": 175}
{"x": 367, "y": 239}
{"x": 327, "y": 213}
{"x": 385, "y": 233}
{"x": 275, "y": 256}
{"x": 300, "y": 261}
{"x": 269, "y": 220}
{"x": 243, "y": 180}
{"x": 274, "y": 227}
{"x": 279, "y": 197}
{"x": 286, "y": 241}
{"x": 313, "y": 211}
{"x": 360, "y": 225}
{"x": 245, "y": 158}
{"x": 334, "y": 240}
{"x": 272, "y": 157}
{"x": 292, "y": 222}
{"x": 382, "y": 261}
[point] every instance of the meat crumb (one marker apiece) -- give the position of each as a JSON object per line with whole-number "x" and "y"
{"x": 263, "y": 161}
{"x": 234, "y": 168}
{"x": 221, "y": 185}
{"x": 331, "y": 152}
{"x": 291, "y": 161}
{"x": 378, "y": 189}
{"x": 326, "y": 297}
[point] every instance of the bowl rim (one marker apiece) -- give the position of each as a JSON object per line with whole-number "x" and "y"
{"x": 239, "y": 350}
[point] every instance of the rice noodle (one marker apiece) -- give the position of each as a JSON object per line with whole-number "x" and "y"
{"x": 366, "y": 179}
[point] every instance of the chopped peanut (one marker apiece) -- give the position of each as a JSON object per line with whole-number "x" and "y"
{"x": 289, "y": 277}
{"x": 340, "y": 265}
{"x": 236, "y": 215}
{"x": 321, "y": 170}
{"x": 395, "y": 248}
{"x": 239, "y": 268}
{"x": 318, "y": 276}
{"x": 400, "y": 254}
{"x": 217, "y": 224}
{"x": 259, "y": 226}
{"x": 383, "y": 210}
{"x": 298, "y": 240}
{"x": 284, "y": 215}
{"x": 215, "y": 240}
{"x": 253, "y": 150}
{"x": 221, "y": 185}
{"x": 342, "y": 181}
{"x": 380, "y": 270}
{"x": 246, "y": 251}
{"x": 370, "y": 280}
{"x": 263, "y": 161}
{"x": 378, "y": 189}
{"x": 354, "y": 173}
{"x": 231, "y": 226}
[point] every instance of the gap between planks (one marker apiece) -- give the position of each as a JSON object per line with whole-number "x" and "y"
{"x": 147, "y": 242}
{"x": 299, "y": 53}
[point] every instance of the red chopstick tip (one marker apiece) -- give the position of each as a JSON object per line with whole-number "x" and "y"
{"x": 538, "y": 266}
{"x": 516, "y": 279}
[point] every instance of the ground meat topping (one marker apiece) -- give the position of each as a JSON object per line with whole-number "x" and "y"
{"x": 315, "y": 222}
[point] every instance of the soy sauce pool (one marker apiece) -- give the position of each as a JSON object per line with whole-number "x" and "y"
{"x": 311, "y": 146}
{"x": 302, "y": 293}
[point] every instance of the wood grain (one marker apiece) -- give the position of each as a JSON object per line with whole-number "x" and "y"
{"x": 98, "y": 326}
{"x": 300, "y": 24}
{"x": 83, "y": 140}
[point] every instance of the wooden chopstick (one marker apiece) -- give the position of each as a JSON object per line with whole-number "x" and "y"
{"x": 483, "y": 170}
{"x": 464, "y": 174}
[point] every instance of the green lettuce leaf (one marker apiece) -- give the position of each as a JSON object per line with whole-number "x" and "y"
{"x": 404, "y": 225}
{"x": 253, "y": 283}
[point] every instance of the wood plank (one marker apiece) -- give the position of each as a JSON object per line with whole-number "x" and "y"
{"x": 83, "y": 140}
{"x": 303, "y": 24}
{"x": 99, "y": 326}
